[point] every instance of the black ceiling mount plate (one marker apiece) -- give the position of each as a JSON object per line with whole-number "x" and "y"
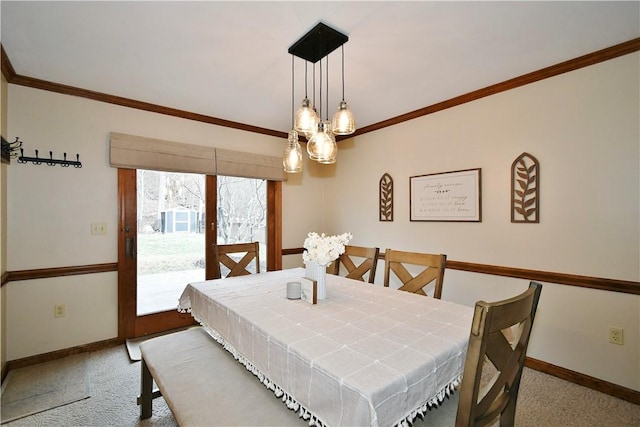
{"x": 320, "y": 41}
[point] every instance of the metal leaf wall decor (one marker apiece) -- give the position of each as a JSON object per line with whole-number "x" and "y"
{"x": 525, "y": 194}
{"x": 386, "y": 198}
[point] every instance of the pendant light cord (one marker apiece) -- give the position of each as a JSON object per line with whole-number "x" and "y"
{"x": 327, "y": 90}
{"x": 292, "y": 91}
{"x": 343, "y": 72}
{"x": 320, "y": 89}
{"x": 305, "y": 78}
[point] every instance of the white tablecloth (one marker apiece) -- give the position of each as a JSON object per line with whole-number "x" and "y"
{"x": 365, "y": 356}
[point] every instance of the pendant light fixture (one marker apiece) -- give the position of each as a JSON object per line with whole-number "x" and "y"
{"x": 322, "y": 144}
{"x": 292, "y": 160}
{"x": 306, "y": 119}
{"x": 343, "y": 122}
{"x": 317, "y": 44}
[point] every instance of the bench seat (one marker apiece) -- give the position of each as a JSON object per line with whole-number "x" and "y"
{"x": 204, "y": 385}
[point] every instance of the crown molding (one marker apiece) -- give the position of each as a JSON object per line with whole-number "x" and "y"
{"x": 606, "y": 54}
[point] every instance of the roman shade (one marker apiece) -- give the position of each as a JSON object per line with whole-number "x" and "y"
{"x": 137, "y": 152}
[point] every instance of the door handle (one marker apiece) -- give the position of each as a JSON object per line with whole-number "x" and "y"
{"x": 130, "y": 247}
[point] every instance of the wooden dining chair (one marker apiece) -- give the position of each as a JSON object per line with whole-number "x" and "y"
{"x": 357, "y": 261}
{"x": 237, "y": 267}
{"x": 396, "y": 262}
{"x": 489, "y": 344}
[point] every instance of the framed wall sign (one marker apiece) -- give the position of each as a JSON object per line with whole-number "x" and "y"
{"x": 386, "y": 198}
{"x": 447, "y": 196}
{"x": 525, "y": 189}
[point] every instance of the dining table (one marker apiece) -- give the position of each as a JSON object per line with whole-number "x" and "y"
{"x": 366, "y": 355}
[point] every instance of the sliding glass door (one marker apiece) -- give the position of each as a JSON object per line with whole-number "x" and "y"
{"x": 171, "y": 241}
{"x": 242, "y": 213}
{"x": 167, "y": 222}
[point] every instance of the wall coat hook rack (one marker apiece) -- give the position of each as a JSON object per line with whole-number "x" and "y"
{"x": 10, "y": 149}
{"x": 50, "y": 161}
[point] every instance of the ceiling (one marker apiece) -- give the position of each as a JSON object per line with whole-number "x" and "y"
{"x": 229, "y": 60}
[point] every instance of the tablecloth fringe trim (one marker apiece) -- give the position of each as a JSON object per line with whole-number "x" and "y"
{"x": 286, "y": 398}
{"x": 447, "y": 391}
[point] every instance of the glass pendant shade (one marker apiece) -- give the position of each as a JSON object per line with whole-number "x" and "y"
{"x": 322, "y": 146}
{"x": 314, "y": 143}
{"x": 306, "y": 119}
{"x": 343, "y": 122}
{"x": 292, "y": 160}
{"x": 328, "y": 156}
{"x": 314, "y": 128}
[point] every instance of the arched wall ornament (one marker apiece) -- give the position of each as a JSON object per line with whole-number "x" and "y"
{"x": 386, "y": 198}
{"x": 525, "y": 193}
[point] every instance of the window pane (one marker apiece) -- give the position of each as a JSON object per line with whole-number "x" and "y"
{"x": 171, "y": 241}
{"x": 242, "y": 213}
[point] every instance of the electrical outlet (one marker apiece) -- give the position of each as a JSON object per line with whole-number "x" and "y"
{"x": 98, "y": 228}
{"x": 616, "y": 335}
{"x": 59, "y": 310}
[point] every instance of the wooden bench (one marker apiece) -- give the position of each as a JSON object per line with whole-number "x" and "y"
{"x": 204, "y": 385}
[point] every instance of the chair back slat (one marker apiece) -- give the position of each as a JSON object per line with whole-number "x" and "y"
{"x": 431, "y": 270}
{"x": 357, "y": 261}
{"x": 237, "y": 267}
{"x": 493, "y": 349}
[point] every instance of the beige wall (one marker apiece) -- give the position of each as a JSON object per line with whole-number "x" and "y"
{"x": 51, "y": 209}
{"x": 3, "y": 224}
{"x": 582, "y": 127}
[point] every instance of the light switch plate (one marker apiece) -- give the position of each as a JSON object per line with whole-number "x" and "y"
{"x": 98, "y": 228}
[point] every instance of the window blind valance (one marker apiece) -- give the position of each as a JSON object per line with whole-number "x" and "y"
{"x": 137, "y": 152}
{"x": 249, "y": 165}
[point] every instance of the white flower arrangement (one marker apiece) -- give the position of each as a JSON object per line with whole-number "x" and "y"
{"x": 324, "y": 249}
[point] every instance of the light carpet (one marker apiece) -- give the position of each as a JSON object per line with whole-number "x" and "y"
{"x": 543, "y": 401}
{"x": 27, "y": 391}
